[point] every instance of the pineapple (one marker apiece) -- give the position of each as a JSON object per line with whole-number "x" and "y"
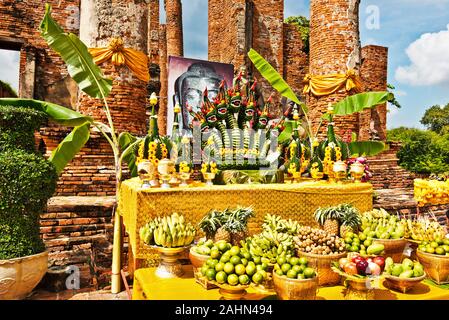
{"x": 222, "y": 234}
{"x": 331, "y": 226}
{"x": 350, "y": 220}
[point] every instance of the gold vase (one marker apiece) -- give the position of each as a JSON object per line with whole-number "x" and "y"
{"x": 169, "y": 267}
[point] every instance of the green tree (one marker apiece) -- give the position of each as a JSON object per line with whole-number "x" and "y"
{"x": 303, "y": 25}
{"x": 436, "y": 118}
{"x": 422, "y": 151}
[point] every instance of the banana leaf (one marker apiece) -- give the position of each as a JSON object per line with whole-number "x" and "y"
{"x": 287, "y": 133}
{"x": 366, "y": 148}
{"x": 75, "y": 54}
{"x": 57, "y": 113}
{"x": 359, "y": 102}
{"x": 70, "y": 146}
{"x": 273, "y": 77}
{"x": 128, "y": 144}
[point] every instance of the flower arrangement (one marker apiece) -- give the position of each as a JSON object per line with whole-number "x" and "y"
{"x": 209, "y": 167}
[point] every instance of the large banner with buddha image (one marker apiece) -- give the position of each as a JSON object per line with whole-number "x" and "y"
{"x": 187, "y": 81}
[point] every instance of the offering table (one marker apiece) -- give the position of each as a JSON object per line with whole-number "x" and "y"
{"x": 296, "y": 201}
{"x": 148, "y": 287}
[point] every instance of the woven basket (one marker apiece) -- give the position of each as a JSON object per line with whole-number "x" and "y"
{"x": 295, "y": 289}
{"x": 436, "y": 267}
{"x": 322, "y": 263}
{"x": 394, "y": 248}
{"x": 401, "y": 284}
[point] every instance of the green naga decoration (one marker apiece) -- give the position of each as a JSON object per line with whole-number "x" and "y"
{"x": 235, "y": 130}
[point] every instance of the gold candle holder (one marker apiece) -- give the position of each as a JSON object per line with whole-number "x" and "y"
{"x": 209, "y": 176}
{"x": 145, "y": 170}
{"x": 357, "y": 171}
{"x": 184, "y": 177}
{"x": 165, "y": 169}
{"x": 339, "y": 170}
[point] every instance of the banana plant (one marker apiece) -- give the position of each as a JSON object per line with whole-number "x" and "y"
{"x": 90, "y": 79}
{"x": 352, "y": 104}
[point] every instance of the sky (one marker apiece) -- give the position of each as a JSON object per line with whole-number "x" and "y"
{"x": 415, "y": 31}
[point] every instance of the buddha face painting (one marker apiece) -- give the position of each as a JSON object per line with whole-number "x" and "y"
{"x": 189, "y": 88}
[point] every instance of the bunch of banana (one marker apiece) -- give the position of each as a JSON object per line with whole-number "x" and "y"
{"x": 146, "y": 233}
{"x": 424, "y": 229}
{"x": 276, "y": 223}
{"x": 268, "y": 245}
{"x": 168, "y": 232}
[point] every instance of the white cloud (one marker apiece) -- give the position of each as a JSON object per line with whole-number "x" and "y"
{"x": 429, "y": 61}
{"x": 9, "y": 67}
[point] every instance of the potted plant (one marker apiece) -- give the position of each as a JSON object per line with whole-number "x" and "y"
{"x": 27, "y": 181}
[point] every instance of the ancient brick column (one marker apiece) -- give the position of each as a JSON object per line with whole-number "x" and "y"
{"x": 334, "y": 47}
{"x": 374, "y": 73}
{"x": 153, "y": 30}
{"x": 296, "y": 61}
{"x": 175, "y": 43}
{"x": 163, "y": 100}
{"x": 102, "y": 20}
{"x": 268, "y": 39}
{"x": 230, "y": 31}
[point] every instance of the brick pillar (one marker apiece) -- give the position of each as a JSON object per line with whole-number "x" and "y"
{"x": 229, "y": 31}
{"x": 374, "y": 73}
{"x": 334, "y": 46}
{"x": 163, "y": 64}
{"x": 296, "y": 61}
{"x": 153, "y": 30}
{"x": 102, "y": 20}
{"x": 175, "y": 43}
{"x": 268, "y": 39}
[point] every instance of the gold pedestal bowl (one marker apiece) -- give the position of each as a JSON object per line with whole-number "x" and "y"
{"x": 169, "y": 267}
{"x": 229, "y": 292}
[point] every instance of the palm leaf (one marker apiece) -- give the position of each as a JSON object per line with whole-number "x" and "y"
{"x": 367, "y": 148}
{"x": 57, "y": 113}
{"x": 359, "y": 102}
{"x": 75, "y": 54}
{"x": 70, "y": 146}
{"x": 272, "y": 76}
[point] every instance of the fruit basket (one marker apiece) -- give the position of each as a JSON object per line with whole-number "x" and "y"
{"x": 295, "y": 289}
{"x": 198, "y": 261}
{"x": 358, "y": 287}
{"x": 402, "y": 284}
{"x": 394, "y": 248}
{"x": 326, "y": 277}
{"x": 229, "y": 292}
{"x": 436, "y": 266}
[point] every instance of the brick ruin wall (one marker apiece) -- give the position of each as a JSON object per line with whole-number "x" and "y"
{"x": 374, "y": 73}
{"x": 334, "y": 45}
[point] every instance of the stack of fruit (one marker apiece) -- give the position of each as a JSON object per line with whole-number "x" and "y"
{"x": 204, "y": 247}
{"x": 294, "y": 268}
{"x": 275, "y": 240}
{"x": 228, "y": 225}
{"x": 407, "y": 269}
{"x": 233, "y": 266}
{"x": 424, "y": 229}
{"x": 316, "y": 241}
{"x": 168, "y": 232}
{"x": 438, "y": 246}
{"x": 362, "y": 244}
{"x": 360, "y": 267}
{"x": 379, "y": 224}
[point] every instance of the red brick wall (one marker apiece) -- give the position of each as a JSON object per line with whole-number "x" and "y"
{"x": 163, "y": 64}
{"x": 334, "y": 38}
{"x": 296, "y": 61}
{"x": 20, "y": 21}
{"x": 374, "y": 73}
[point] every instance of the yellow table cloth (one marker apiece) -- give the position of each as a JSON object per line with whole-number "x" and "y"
{"x": 148, "y": 287}
{"x": 296, "y": 201}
